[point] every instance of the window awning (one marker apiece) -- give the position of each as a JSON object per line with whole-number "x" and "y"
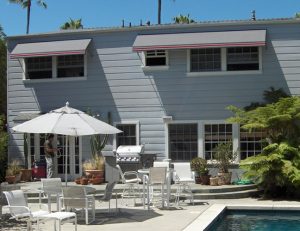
{"x": 67, "y": 47}
{"x": 200, "y": 40}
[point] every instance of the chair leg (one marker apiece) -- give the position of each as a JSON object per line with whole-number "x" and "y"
{"x": 59, "y": 225}
{"x": 86, "y": 216}
{"x": 75, "y": 222}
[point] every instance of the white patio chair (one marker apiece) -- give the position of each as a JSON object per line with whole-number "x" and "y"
{"x": 183, "y": 177}
{"x": 52, "y": 187}
{"x": 19, "y": 210}
{"x": 131, "y": 182}
{"x": 157, "y": 183}
{"x": 75, "y": 197}
{"x": 4, "y": 186}
{"x": 108, "y": 195}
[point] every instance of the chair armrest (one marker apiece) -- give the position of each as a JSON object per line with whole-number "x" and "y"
{"x": 193, "y": 176}
{"x": 176, "y": 178}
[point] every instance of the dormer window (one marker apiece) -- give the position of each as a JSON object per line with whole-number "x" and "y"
{"x": 155, "y": 58}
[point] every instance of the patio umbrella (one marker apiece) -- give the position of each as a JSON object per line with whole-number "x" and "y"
{"x": 66, "y": 121}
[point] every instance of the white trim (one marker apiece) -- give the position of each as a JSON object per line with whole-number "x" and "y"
{"x": 236, "y": 141}
{"x": 201, "y": 139}
{"x": 188, "y": 60}
{"x": 54, "y": 67}
{"x": 55, "y": 80}
{"x": 223, "y": 59}
{"x": 157, "y": 67}
{"x": 137, "y": 131}
{"x": 223, "y": 73}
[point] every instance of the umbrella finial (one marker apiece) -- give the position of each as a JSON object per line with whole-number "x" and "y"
{"x": 67, "y": 104}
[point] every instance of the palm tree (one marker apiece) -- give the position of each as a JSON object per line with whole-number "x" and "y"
{"x": 182, "y": 19}
{"x": 27, "y": 4}
{"x": 72, "y": 24}
{"x": 159, "y": 12}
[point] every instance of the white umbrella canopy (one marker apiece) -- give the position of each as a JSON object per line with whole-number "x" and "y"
{"x": 66, "y": 121}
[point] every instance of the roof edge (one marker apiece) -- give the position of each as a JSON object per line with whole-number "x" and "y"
{"x": 161, "y": 27}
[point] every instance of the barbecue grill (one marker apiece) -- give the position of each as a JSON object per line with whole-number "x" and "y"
{"x": 132, "y": 157}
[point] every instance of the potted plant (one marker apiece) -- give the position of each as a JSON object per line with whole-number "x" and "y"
{"x": 13, "y": 172}
{"x": 199, "y": 166}
{"x": 94, "y": 168}
{"x": 224, "y": 156}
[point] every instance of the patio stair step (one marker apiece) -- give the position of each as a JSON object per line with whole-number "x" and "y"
{"x": 227, "y": 195}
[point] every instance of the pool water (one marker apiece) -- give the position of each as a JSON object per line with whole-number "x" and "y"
{"x": 257, "y": 220}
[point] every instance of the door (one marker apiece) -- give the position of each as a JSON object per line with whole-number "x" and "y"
{"x": 73, "y": 157}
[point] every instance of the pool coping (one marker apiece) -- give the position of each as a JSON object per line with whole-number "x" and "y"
{"x": 203, "y": 221}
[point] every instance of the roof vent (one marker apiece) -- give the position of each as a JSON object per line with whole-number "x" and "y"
{"x": 253, "y": 18}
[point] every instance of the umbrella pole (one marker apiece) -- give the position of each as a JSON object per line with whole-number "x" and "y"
{"x": 66, "y": 161}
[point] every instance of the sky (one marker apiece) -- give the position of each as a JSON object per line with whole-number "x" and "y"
{"x": 107, "y": 13}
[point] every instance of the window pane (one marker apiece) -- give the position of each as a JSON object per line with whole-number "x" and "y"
{"x": 251, "y": 143}
{"x": 242, "y": 58}
{"x": 183, "y": 141}
{"x": 38, "y": 68}
{"x": 156, "y": 58}
{"x": 205, "y": 60}
{"x": 214, "y": 135}
{"x": 128, "y": 136}
{"x": 70, "y": 66}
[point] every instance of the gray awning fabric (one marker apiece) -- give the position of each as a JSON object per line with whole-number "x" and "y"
{"x": 200, "y": 40}
{"x": 67, "y": 47}
{"x": 25, "y": 116}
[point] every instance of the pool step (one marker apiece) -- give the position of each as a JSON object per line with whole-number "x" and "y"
{"x": 227, "y": 195}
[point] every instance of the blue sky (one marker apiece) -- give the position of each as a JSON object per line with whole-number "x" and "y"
{"x": 103, "y": 13}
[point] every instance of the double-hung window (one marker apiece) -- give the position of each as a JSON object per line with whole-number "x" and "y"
{"x": 156, "y": 58}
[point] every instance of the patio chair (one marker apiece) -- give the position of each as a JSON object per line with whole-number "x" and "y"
{"x": 183, "y": 177}
{"x": 52, "y": 187}
{"x": 19, "y": 210}
{"x": 6, "y": 187}
{"x": 75, "y": 197}
{"x": 108, "y": 194}
{"x": 157, "y": 180}
{"x": 131, "y": 182}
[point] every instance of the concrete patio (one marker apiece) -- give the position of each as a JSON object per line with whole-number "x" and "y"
{"x": 135, "y": 217}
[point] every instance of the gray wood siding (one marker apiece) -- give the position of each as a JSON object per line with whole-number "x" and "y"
{"x": 117, "y": 83}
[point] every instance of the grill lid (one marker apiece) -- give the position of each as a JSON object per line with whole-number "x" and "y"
{"x": 130, "y": 149}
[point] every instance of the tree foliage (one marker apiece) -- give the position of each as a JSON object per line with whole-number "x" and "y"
{"x": 277, "y": 168}
{"x": 2, "y": 72}
{"x": 3, "y": 148}
{"x": 183, "y": 19}
{"x": 72, "y": 24}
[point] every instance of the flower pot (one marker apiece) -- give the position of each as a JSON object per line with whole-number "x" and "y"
{"x": 94, "y": 173}
{"x": 97, "y": 180}
{"x": 26, "y": 175}
{"x": 10, "y": 179}
{"x": 78, "y": 180}
{"x": 84, "y": 181}
{"x": 205, "y": 179}
{"x": 224, "y": 178}
{"x": 198, "y": 180}
{"x": 214, "y": 181}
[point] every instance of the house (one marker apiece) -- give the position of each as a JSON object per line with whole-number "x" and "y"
{"x": 165, "y": 86}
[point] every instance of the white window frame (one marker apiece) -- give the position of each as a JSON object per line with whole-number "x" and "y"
{"x": 201, "y": 135}
{"x": 159, "y": 67}
{"x": 128, "y": 122}
{"x": 223, "y": 71}
{"x": 54, "y": 72}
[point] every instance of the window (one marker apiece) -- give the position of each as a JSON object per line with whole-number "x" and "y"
{"x": 203, "y": 60}
{"x": 251, "y": 143}
{"x": 39, "y": 68}
{"x": 214, "y": 135}
{"x": 70, "y": 66}
{"x": 156, "y": 58}
{"x": 128, "y": 136}
{"x": 242, "y": 58}
{"x": 65, "y": 66}
{"x": 183, "y": 141}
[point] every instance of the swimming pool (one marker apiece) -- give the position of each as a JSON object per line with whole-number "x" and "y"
{"x": 257, "y": 220}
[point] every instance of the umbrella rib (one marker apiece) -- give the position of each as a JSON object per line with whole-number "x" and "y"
{"x": 86, "y": 122}
{"x": 59, "y": 118}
